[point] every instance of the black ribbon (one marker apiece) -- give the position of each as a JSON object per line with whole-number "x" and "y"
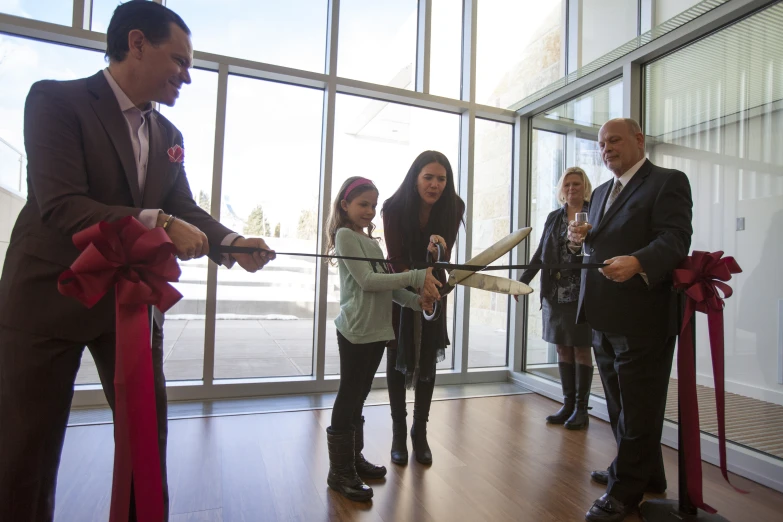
{"x": 225, "y": 249}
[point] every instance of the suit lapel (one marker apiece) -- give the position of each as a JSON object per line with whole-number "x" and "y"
{"x": 108, "y": 111}
{"x": 158, "y": 165}
{"x": 624, "y": 196}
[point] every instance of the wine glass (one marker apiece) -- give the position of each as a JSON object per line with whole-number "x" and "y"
{"x": 581, "y": 219}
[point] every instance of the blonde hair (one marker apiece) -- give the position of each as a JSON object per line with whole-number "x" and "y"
{"x": 585, "y": 181}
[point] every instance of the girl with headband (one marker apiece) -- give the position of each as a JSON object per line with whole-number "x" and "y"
{"x": 364, "y": 326}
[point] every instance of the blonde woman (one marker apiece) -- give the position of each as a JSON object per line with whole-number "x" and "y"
{"x": 559, "y": 299}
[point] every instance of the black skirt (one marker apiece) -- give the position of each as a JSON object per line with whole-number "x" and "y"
{"x": 560, "y": 324}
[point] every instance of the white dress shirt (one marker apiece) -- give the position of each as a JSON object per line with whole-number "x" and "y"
{"x": 625, "y": 178}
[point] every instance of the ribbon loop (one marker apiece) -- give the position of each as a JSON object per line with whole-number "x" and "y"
{"x": 700, "y": 277}
{"x": 139, "y": 264}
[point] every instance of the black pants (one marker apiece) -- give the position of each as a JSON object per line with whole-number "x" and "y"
{"x": 37, "y": 376}
{"x": 395, "y": 380}
{"x": 635, "y": 373}
{"x": 358, "y": 364}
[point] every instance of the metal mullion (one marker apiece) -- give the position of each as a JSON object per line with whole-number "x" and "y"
{"x": 520, "y": 217}
{"x": 632, "y": 91}
{"x": 325, "y": 189}
{"x": 82, "y": 14}
{"x": 216, "y": 198}
{"x": 423, "y": 46}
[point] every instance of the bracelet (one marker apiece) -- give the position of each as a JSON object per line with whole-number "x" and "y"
{"x": 168, "y": 222}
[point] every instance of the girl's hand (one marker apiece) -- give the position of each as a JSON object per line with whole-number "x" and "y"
{"x": 431, "y": 285}
{"x": 436, "y": 240}
{"x": 426, "y": 304}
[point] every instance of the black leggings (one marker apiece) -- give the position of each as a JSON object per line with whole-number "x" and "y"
{"x": 395, "y": 380}
{"x": 358, "y": 364}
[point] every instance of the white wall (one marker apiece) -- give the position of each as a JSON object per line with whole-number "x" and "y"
{"x": 11, "y": 204}
{"x": 606, "y": 25}
{"x": 666, "y": 9}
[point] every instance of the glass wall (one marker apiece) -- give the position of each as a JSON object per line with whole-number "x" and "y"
{"x": 604, "y": 26}
{"x": 714, "y": 110}
{"x": 490, "y": 221}
{"x": 563, "y": 137}
{"x": 519, "y": 49}
{"x": 380, "y": 140}
{"x": 53, "y": 11}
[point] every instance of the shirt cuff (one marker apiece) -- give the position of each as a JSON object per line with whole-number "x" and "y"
{"x": 149, "y": 217}
{"x": 644, "y": 276}
{"x": 229, "y": 261}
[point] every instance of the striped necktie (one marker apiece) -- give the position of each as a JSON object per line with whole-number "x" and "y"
{"x": 618, "y": 186}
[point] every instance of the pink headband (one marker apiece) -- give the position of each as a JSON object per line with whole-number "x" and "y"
{"x": 357, "y": 183}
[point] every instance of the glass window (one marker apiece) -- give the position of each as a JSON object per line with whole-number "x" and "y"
{"x": 183, "y": 330}
{"x": 597, "y": 16}
{"x": 271, "y": 172}
{"x": 102, "y": 11}
{"x": 490, "y": 221}
{"x": 446, "y": 48}
{"x": 378, "y": 41}
{"x": 290, "y": 33}
{"x": 716, "y": 116}
{"x": 564, "y": 136}
{"x": 519, "y": 49}
{"x": 668, "y": 9}
{"x": 54, "y": 11}
{"x": 384, "y": 139}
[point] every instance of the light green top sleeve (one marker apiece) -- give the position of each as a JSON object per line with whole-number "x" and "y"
{"x": 347, "y": 243}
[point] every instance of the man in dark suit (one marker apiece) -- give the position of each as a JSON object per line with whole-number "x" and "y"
{"x": 97, "y": 151}
{"x": 640, "y": 226}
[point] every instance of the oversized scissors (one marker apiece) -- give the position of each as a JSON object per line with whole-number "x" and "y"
{"x": 500, "y": 285}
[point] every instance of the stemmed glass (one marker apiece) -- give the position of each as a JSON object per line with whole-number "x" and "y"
{"x": 581, "y": 219}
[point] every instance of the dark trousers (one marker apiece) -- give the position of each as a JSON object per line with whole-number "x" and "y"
{"x": 358, "y": 364}
{"x": 635, "y": 373}
{"x": 395, "y": 380}
{"x": 37, "y": 376}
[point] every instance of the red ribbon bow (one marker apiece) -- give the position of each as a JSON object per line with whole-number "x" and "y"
{"x": 176, "y": 154}
{"x": 701, "y": 278}
{"x": 139, "y": 264}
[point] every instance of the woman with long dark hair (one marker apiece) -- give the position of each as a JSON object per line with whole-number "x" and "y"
{"x": 424, "y": 211}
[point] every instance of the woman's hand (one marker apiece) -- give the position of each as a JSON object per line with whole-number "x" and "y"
{"x": 434, "y": 241}
{"x": 427, "y": 305}
{"x": 431, "y": 285}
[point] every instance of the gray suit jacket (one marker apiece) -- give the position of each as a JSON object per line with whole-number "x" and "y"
{"x": 81, "y": 171}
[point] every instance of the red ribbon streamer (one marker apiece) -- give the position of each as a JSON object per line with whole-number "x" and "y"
{"x": 138, "y": 264}
{"x": 701, "y": 278}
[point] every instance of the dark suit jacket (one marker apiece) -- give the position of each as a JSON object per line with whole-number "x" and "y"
{"x": 548, "y": 252}
{"x": 81, "y": 171}
{"x": 650, "y": 219}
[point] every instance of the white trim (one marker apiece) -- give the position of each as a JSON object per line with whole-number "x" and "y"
{"x": 423, "y": 46}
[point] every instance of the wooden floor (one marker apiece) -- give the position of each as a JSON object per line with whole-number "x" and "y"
{"x": 495, "y": 460}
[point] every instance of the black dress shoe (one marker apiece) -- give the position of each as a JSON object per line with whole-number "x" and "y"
{"x": 602, "y": 477}
{"x": 609, "y": 509}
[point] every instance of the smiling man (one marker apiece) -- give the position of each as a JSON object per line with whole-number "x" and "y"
{"x": 97, "y": 151}
{"x": 641, "y": 227}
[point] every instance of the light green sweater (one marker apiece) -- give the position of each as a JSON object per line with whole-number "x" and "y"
{"x": 366, "y": 293}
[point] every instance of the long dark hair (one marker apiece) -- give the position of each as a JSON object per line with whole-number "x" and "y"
{"x": 339, "y": 218}
{"x": 447, "y": 213}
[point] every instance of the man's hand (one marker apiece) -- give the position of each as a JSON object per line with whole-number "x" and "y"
{"x": 190, "y": 242}
{"x": 256, "y": 260}
{"x": 577, "y": 233}
{"x": 622, "y": 268}
{"x": 431, "y": 285}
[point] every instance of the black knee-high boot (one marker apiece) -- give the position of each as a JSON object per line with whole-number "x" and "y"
{"x": 395, "y": 381}
{"x": 342, "y": 471}
{"x": 568, "y": 382}
{"x": 421, "y": 414}
{"x": 584, "y": 380}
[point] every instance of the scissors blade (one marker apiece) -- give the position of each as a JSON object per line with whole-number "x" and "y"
{"x": 499, "y": 285}
{"x": 489, "y": 255}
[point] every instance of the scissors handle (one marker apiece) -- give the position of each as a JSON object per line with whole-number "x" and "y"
{"x": 440, "y": 275}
